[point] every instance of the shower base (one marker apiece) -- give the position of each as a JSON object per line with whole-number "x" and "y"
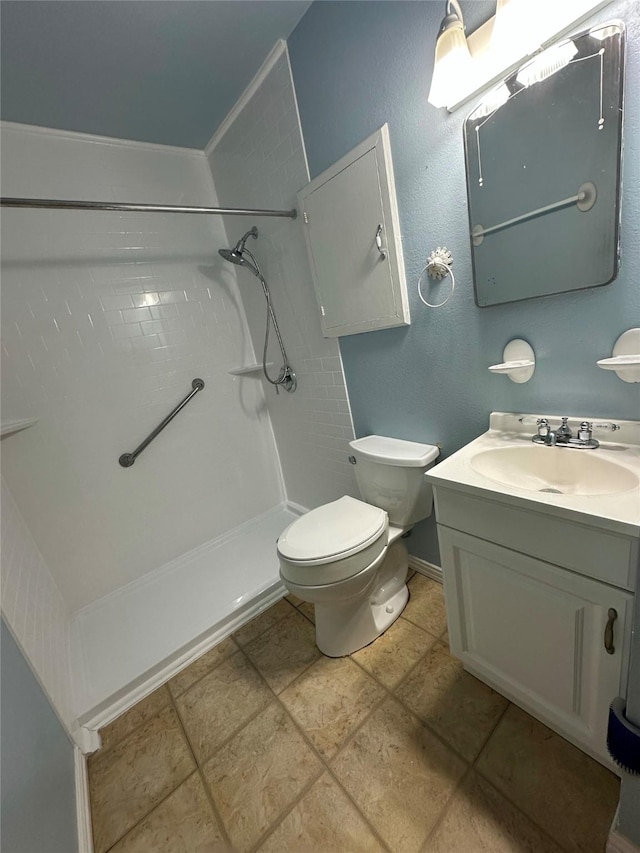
{"x": 129, "y": 642}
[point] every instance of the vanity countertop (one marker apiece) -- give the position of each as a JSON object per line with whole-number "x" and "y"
{"x": 617, "y": 511}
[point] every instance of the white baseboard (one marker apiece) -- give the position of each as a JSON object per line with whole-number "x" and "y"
{"x": 429, "y": 570}
{"x": 83, "y": 808}
{"x": 86, "y": 740}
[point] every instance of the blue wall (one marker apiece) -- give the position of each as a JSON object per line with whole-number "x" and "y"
{"x": 37, "y": 770}
{"x": 357, "y": 65}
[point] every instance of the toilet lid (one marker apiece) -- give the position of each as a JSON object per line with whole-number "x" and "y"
{"x": 335, "y": 530}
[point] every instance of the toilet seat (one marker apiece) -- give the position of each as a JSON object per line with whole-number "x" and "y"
{"x": 333, "y": 542}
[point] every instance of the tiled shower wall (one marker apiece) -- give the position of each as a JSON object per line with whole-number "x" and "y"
{"x": 106, "y": 319}
{"x": 257, "y": 159}
{"x": 34, "y": 609}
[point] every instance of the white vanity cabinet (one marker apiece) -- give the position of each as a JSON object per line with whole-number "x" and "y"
{"x": 536, "y": 633}
{"x": 540, "y": 551}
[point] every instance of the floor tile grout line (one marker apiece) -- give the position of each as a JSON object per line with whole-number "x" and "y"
{"x": 300, "y": 674}
{"x": 162, "y": 799}
{"x": 493, "y": 729}
{"x": 238, "y": 648}
{"x": 326, "y": 768}
{"x": 261, "y": 633}
{"x": 364, "y": 817}
{"x": 104, "y": 750}
{"x": 287, "y": 811}
{"x": 149, "y": 813}
{"x": 207, "y": 672}
{"x": 391, "y": 693}
{"x": 360, "y": 725}
{"x": 440, "y": 819}
{"x": 387, "y": 695}
{"x": 417, "y": 625}
{"x": 506, "y": 795}
{"x": 249, "y": 719}
{"x": 235, "y": 732}
{"x": 293, "y": 681}
{"x": 207, "y": 791}
{"x": 413, "y": 666}
{"x": 324, "y": 761}
{"x": 522, "y": 812}
{"x": 165, "y": 685}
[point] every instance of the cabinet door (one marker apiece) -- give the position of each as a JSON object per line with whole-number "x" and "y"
{"x": 353, "y": 242}
{"x": 536, "y": 633}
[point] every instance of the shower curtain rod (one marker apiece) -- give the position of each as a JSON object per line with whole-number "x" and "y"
{"x": 57, "y": 204}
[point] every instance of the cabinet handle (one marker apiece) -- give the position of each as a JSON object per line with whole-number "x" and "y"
{"x": 608, "y": 631}
{"x": 381, "y": 249}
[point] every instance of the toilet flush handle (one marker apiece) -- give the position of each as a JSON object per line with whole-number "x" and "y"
{"x": 352, "y": 460}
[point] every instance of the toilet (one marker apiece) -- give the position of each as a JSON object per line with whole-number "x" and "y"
{"x": 347, "y": 557}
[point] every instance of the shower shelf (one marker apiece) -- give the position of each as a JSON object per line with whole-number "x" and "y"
{"x": 248, "y": 368}
{"x": 8, "y": 427}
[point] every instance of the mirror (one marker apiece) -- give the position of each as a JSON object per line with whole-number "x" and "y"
{"x": 542, "y": 155}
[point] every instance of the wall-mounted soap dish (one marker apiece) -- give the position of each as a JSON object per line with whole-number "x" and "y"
{"x": 625, "y": 360}
{"x": 519, "y": 361}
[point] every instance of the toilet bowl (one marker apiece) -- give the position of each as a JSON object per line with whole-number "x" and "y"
{"x": 347, "y": 557}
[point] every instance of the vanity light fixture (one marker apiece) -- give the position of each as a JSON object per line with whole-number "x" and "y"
{"x": 467, "y": 65}
{"x": 515, "y": 31}
{"x": 547, "y": 63}
{"x": 452, "y": 63}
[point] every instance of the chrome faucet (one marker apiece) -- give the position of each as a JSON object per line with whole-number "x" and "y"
{"x": 563, "y": 435}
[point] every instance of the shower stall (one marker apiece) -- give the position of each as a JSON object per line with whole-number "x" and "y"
{"x": 107, "y": 317}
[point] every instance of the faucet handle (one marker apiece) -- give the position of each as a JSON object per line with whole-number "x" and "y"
{"x": 543, "y": 427}
{"x": 584, "y": 431}
{"x": 607, "y": 426}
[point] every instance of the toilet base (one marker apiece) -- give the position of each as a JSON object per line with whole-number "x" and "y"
{"x": 351, "y": 613}
{"x": 342, "y": 629}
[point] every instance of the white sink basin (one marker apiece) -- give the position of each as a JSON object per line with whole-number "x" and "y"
{"x": 599, "y": 487}
{"x": 555, "y": 470}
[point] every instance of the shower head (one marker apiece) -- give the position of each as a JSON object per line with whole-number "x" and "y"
{"x": 234, "y": 255}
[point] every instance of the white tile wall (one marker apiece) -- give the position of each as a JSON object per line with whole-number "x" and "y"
{"x": 258, "y": 160}
{"x": 33, "y": 608}
{"x": 106, "y": 319}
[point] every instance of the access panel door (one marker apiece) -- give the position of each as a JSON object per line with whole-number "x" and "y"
{"x": 353, "y": 242}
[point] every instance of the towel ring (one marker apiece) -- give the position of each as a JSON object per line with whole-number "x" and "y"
{"x": 438, "y": 266}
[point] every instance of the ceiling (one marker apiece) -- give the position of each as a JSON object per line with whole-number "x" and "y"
{"x": 163, "y": 71}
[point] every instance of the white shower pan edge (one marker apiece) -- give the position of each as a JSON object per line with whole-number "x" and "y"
{"x": 131, "y": 641}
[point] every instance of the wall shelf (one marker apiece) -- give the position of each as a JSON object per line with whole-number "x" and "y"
{"x": 9, "y": 427}
{"x": 519, "y": 361}
{"x": 248, "y": 368}
{"x": 625, "y": 358}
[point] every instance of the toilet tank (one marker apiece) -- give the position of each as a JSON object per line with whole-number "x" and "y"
{"x": 390, "y": 474}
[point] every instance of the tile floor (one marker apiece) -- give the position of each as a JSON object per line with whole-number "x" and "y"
{"x": 265, "y": 745}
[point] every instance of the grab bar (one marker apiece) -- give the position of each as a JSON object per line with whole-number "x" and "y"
{"x": 127, "y": 459}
